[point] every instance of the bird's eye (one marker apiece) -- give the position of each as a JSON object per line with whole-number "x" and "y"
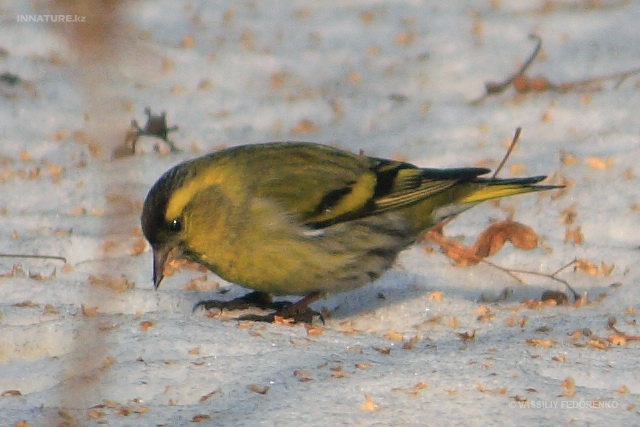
{"x": 175, "y": 225}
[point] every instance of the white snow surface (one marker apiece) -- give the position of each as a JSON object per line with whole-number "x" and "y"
{"x": 391, "y": 78}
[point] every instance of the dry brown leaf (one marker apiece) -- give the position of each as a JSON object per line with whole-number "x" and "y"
{"x": 394, "y": 336}
{"x": 118, "y": 284}
{"x": 408, "y": 345}
{"x": 486, "y": 317}
{"x": 489, "y": 242}
{"x": 606, "y": 269}
{"x": 598, "y": 343}
{"x": 586, "y": 266}
{"x": 617, "y": 339}
{"x": 574, "y": 235}
{"x": 354, "y": 78}
{"x": 458, "y": 252}
{"x": 107, "y": 363}
{"x": 383, "y": 350}
{"x": 599, "y": 163}
{"x": 568, "y": 159}
{"x": 569, "y": 387}
{"x": 303, "y": 374}
{"x": 95, "y": 413}
{"x": 435, "y": 296}
{"x": 538, "y": 342}
{"x": 420, "y": 386}
{"x": 482, "y": 310}
{"x": 215, "y": 393}
{"x": 313, "y": 330}
{"x": 493, "y": 237}
{"x": 200, "y": 418}
{"x": 187, "y": 42}
{"x": 467, "y": 336}
{"x": 146, "y": 325}
{"x": 89, "y": 311}
{"x": 369, "y": 405}
{"x": 49, "y": 309}
{"x": 338, "y": 372}
{"x": 258, "y": 389}
{"x": 569, "y": 215}
{"x": 201, "y": 284}
{"x": 138, "y": 247}
{"x": 367, "y": 17}
{"x": 405, "y": 38}
{"x": 26, "y": 304}
{"x": 78, "y": 210}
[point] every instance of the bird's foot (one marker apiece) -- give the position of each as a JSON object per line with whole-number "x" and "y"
{"x": 285, "y": 311}
{"x": 287, "y": 314}
{"x": 260, "y": 300}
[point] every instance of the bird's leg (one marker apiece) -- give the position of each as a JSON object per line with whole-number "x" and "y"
{"x": 253, "y": 299}
{"x": 299, "y": 311}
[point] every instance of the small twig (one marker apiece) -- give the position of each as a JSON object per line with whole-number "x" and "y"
{"x": 523, "y": 83}
{"x": 54, "y": 257}
{"x": 506, "y": 270}
{"x": 611, "y": 324}
{"x": 493, "y": 88}
{"x": 436, "y": 236}
{"x": 512, "y": 272}
{"x": 514, "y": 141}
{"x": 564, "y": 267}
{"x": 588, "y": 83}
{"x": 553, "y": 276}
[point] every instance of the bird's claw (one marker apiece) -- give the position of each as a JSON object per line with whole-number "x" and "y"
{"x": 298, "y": 312}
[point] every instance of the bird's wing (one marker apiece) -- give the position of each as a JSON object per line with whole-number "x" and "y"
{"x": 385, "y": 186}
{"x": 323, "y": 186}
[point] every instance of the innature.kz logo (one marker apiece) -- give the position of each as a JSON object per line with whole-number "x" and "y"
{"x": 50, "y": 18}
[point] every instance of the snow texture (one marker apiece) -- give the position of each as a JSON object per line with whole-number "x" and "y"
{"x": 391, "y": 78}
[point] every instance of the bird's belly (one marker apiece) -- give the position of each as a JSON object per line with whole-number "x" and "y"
{"x": 332, "y": 260}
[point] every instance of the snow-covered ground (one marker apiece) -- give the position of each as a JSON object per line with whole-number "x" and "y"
{"x": 89, "y": 342}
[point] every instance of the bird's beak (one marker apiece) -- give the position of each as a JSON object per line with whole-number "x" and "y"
{"x": 160, "y": 256}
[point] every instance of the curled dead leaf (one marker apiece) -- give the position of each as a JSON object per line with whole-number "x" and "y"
{"x": 489, "y": 242}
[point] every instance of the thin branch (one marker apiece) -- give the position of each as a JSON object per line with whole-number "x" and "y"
{"x": 54, "y": 257}
{"x": 514, "y": 141}
{"x": 588, "y": 83}
{"x": 493, "y": 88}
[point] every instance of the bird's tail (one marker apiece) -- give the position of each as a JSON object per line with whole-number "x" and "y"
{"x": 496, "y": 188}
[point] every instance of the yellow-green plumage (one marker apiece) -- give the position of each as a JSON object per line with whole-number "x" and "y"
{"x": 302, "y": 218}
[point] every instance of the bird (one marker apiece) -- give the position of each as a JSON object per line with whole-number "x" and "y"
{"x": 303, "y": 219}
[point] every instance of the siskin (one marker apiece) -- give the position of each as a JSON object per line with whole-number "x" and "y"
{"x": 304, "y": 219}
